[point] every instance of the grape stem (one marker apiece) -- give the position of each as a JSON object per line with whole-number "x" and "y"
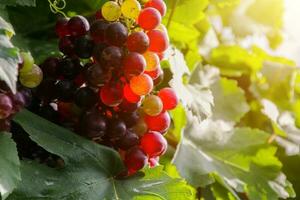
{"x": 57, "y": 5}
{"x": 172, "y": 13}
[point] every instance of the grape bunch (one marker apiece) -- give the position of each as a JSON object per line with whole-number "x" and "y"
{"x": 103, "y": 86}
{"x": 30, "y": 76}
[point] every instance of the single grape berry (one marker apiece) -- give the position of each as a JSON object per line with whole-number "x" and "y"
{"x": 129, "y": 95}
{"x": 69, "y": 68}
{"x": 130, "y": 118}
{"x": 131, "y": 9}
{"x": 141, "y": 85}
{"x": 111, "y": 94}
{"x": 169, "y": 98}
{"x": 6, "y": 106}
{"x": 152, "y": 105}
{"x": 49, "y": 67}
{"x": 126, "y": 106}
{"x": 97, "y": 52}
{"x": 140, "y": 127}
{"x": 157, "y": 4}
{"x": 47, "y": 90}
{"x": 85, "y": 97}
{"x": 149, "y": 18}
{"x": 65, "y": 90}
{"x": 116, "y": 34}
{"x": 32, "y": 78}
{"x": 97, "y": 30}
{"x": 129, "y": 140}
{"x": 116, "y": 129}
{"x": 66, "y": 45}
{"x": 61, "y": 27}
{"x": 135, "y": 159}
{"x": 93, "y": 124}
{"x": 133, "y": 64}
{"x": 138, "y": 42}
{"x": 159, "y": 123}
{"x": 154, "y": 74}
{"x": 96, "y": 76}
{"x": 112, "y": 57}
{"x": 111, "y": 11}
{"x": 78, "y": 26}
{"x": 152, "y": 61}
{"x": 83, "y": 47}
{"x": 154, "y": 144}
{"x": 158, "y": 41}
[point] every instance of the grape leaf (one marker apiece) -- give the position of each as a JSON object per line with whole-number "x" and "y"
{"x": 234, "y": 60}
{"x": 9, "y": 59}
{"x": 90, "y": 170}
{"x": 9, "y": 165}
{"x": 196, "y": 98}
{"x": 227, "y": 95}
{"x": 283, "y": 124}
{"x": 248, "y": 165}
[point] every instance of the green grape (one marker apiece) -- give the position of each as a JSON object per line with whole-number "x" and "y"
{"x": 32, "y": 78}
{"x": 111, "y": 11}
{"x": 28, "y": 62}
{"x": 131, "y": 9}
{"x": 152, "y": 105}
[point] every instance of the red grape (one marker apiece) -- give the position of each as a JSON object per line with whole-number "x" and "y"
{"x": 61, "y": 27}
{"x": 169, "y": 98}
{"x": 149, "y": 18}
{"x": 111, "y": 94}
{"x": 141, "y": 85}
{"x": 129, "y": 95}
{"x": 6, "y": 106}
{"x": 135, "y": 159}
{"x": 97, "y": 30}
{"x": 116, "y": 34}
{"x": 159, "y": 5}
{"x": 154, "y": 74}
{"x": 134, "y": 64}
{"x": 154, "y": 144}
{"x": 158, "y": 123}
{"x": 78, "y": 26}
{"x": 138, "y": 42}
{"x": 158, "y": 41}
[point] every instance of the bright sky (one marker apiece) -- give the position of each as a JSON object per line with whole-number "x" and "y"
{"x": 291, "y": 46}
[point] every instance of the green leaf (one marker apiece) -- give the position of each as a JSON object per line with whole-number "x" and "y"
{"x": 229, "y": 100}
{"x": 9, "y": 59}
{"x": 9, "y": 165}
{"x": 18, "y": 2}
{"x": 234, "y": 60}
{"x": 195, "y": 97}
{"x": 90, "y": 170}
{"x": 244, "y": 161}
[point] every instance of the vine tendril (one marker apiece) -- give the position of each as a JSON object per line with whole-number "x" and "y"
{"x": 57, "y": 6}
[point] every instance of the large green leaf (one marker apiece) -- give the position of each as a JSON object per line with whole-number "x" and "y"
{"x": 90, "y": 170}
{"x": 244, "y": 161}
{"x": 9, "y": 165}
